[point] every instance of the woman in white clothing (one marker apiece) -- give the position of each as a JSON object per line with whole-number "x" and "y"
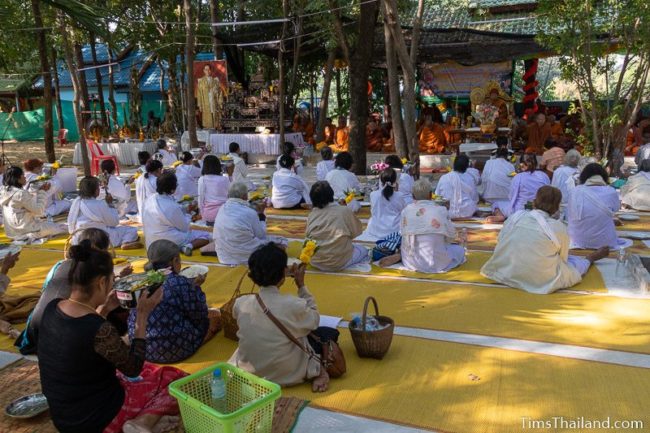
{"x": 563, "y": 177}
{"x": 427, "y": 233}
{"x": 459, "y": 187}
{"x": 591, "y": 211}
{"x": 289, "y": 190}
{"x": 88, "y": 211}
{"x": 163, "y": 218}
{"x": 636, "y": 192}
{"x": 165, "y": 156}
{"x": 342, "y": 180}
{"x": 23, "y": 210}
{"x": 188, "y": 175}
{"x": 55, "y": 203}
{"x": 406, "y": 179}
{"x": 496, "y": 180}
{"x": 386, "y": 207}
{"x": 326, "y": 165}
{"x": 213, "y": 189}
{"x": 145, "y": 185}
{"x": 532, "y": 252}
{"x": 290, "y": 149}
{"x": 120, "y": 191}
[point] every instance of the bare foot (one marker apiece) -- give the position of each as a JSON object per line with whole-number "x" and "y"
{"x": 306, "y": 206}
{"x": 320, "y": 383}
{"x": 600, "y": 253}
{"x": 618, "y": 222}
{"x": 135, "y": 427}
{"x": 7, "y": 328}
{"x": 495, "y": 219}
{"x": 390, "y": 260}
{"x": 132, "y": 245}
{"x": 167, "y": 423}
{"x": 142, "y": 424}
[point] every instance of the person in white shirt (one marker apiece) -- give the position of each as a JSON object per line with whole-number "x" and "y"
{"x": 289, "y": 190}
{"x": 326, "y": 165}
{"x": 23, "y": 210}
{"x": 459, "y": 187}
{"x": 87, "y": 211}
{"x": 563, "y": 177}
{"x": 163, "y": 218}
{"x": 240, "y": 228}
{"x": 290, "y": 149}
{"x": 188, "y": 175}
{"x": 343, "y": 181}
{"x": 406, "y": 179}
{"x": 642, "y": 154}
{"x": 636, "y": 192}
{"x": 213, "y": 189}
{"x": 120, "y": 191}
{"x": 143, "y": 158}
{"x": 496, "y": 179}
{"x": 427, "y": 233}
{"x": 165, "y": 156}
{"x": 145, "y": 185}
{"x": 532, "y": 252}
{"x": 239, "y": 171}
{"x": 386, "y": 207}
{"x": 55, "y": 203}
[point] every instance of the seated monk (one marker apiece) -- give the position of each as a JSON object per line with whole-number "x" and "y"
{"x": 538, "y": 132}
{"x": 342, "y": 143}
{"x": 308, "y": 131}
{"x": 542, "y": 243}
{"x": 557, "y": 131}
{"x": 432, "y": 137}
{"x": 374, "y": 137}
{"x": 329, "y": 131}
{"x": 296, "y": 126}
{"x": 389, "y": 137}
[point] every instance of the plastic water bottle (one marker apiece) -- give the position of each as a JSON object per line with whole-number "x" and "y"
{"x": 218, "y": 392}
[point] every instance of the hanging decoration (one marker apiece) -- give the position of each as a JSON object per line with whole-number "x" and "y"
{"x": 530, "y": 88}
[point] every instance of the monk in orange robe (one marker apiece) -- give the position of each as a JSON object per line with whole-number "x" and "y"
{"x": 342, "y": 143}
{"x": 374, "y": 137}
{"x": 538, "y": 132}
{"x": 432, "y": 137}
{"x": 308, "y": 131}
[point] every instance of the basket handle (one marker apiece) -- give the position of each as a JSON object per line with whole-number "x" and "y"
{"x": 365, "y": 311}
{"x": 237, "y": 291}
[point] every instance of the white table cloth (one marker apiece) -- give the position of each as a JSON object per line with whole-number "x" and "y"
{"x": 126, "y": 152}
{"x": 477, "y": 147}
{"x": 267, "y": 144}
{"x": 201, "y": 135}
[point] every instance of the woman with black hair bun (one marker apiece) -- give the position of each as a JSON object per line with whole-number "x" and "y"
{"x": 145, "y": 185}
{"x": 526, "y": 184}
{"x": 289, "y": 190}
{"x": 23, "y": 210}
{"x": 459, "y": 187}
{"x": 591, "y": 209}
{"x": 187, "y": 174}
{"x": 343, "y": 180}
{"x": 213, "y": 188}
{"x": 85, "y": 365}
{"x": 288, "y": 148}
{"x": 386, "y": 207}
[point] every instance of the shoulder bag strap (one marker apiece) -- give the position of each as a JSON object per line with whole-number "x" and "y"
{"x": 280, "y": 326}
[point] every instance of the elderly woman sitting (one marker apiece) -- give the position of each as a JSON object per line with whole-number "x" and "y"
{"x": 88, "y": 211}
{"x": 426, "y": 235}
{"x": 85, "y": 365}
{"x": 163, "y": 218}
{"x": 459, "y": 187}
{"x": 289, "y": 190}
{"x": 55, "y": 203}
{"x": 333, "y": 227}
{"x": 636, "y": 192}
{"x": 23, "y": 210}
{"x": 343, "y": 180}
{"x": 182, "y": 322}
{"x": 240, "y": 227}
{"x": 264, "y": 349}
{"x": 532, "y": 252}
{"x": 563, "y": 177}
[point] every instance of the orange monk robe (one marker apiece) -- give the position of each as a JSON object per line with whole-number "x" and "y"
{"x": 374, "y": 140}
{"x": 308, "y": 133}
{"x": 342, "y": 140}
{"x": 556, "y": 130}
{"x": 537, "y": 137}
{"x": 389, "y": 143}
{"x": 432, "y": 139}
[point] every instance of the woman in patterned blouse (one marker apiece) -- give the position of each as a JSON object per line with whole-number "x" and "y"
{"x": 182, "y": 322}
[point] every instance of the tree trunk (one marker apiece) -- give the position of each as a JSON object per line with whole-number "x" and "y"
{"x": 76, "y": 85}
{"x": 325, "y": 96}
{"x": 359, "y": 73}
{"x": 173, "y": 101}
{"x": 296, "y": 58}
{"x": 190, "y": 102}
{"x": 214, "y": 17}
{"x": 84, "y": 102}
{"x": 100, "y": 86}
{"x": 57, "y": 89}
{"x": 48, "y": 127}
{"x": 111, "y": 86}
{"x": 285, "y": 13}
{"x": 339, "y": 98}
{"x": 399, "y": 135}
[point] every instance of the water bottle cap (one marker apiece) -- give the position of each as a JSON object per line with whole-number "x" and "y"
{"x": 217, "y": 373}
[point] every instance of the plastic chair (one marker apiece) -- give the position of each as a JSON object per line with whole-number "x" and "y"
{"x": 97, "y": 156}
{"x": 62, "y": 137}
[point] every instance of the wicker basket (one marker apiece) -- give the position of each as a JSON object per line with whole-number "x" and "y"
{"x": 228, "y": 320}
{"x": 372, "y": 344}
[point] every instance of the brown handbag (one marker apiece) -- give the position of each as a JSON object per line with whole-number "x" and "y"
{"x": 228, "y": 320}
{"x": 332, "y": 359}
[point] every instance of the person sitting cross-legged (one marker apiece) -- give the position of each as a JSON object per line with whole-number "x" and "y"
{"x": 636, "y": 192}
{"x": 532, "y": 252}
{"x": 459, "y": 187}
{"x": 427, "y": 233}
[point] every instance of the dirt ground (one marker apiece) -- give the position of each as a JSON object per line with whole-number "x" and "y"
{"x": 18, "y": 152}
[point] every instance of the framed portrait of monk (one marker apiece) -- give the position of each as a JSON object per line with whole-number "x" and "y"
{"x": 210, "y": 87}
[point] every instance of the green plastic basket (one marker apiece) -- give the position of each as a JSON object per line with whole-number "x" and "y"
{"x": 250, "y": 402}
